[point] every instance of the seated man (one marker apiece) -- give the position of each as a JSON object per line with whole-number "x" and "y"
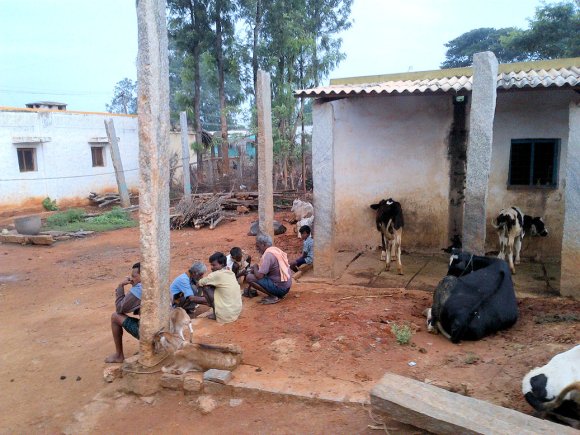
{"x": 126, "y": 303}
{"x": 307, "y": 249}
{"x": 272, "y": 276}
{"x": 238, "y": 264}
{"x": 184, "y": 287}
{"x": 221, "y": 291}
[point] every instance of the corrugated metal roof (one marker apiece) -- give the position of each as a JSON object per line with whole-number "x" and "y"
{"x": 557, "y": 73}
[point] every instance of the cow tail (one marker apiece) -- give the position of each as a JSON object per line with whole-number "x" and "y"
{"x": 556, "y": 402}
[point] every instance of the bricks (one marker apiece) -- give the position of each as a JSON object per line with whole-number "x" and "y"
{"x": 219, "y": 376}
{"x": 172, "y": 382}
{"x": 192, "y": 383}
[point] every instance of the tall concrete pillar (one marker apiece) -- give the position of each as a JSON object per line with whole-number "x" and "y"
{"x": 185, "y": 154}
{"x": 323, "y": 179}
{"x": 483, "y": 97}
{"x": 265, "y": 155}
{"x": 153, "y": 117}
{"x": 570, "y": 269}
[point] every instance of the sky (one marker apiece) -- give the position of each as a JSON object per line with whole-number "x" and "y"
{"x": 75, "y": 51}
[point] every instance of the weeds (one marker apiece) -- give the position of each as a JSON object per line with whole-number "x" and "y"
{"x": 471, "y": 358}
{"x": 49, "y": 204}
{"x": 402, "y": 333}
{"x": 74, "y": 220}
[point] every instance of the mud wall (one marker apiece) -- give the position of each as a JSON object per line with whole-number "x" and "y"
{"x": 392, "y": 146}
{"x": 524, "y": 115}
{"x": 64, "y": 169}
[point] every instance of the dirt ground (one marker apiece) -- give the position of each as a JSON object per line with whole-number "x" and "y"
{"x": 56, "y": 301}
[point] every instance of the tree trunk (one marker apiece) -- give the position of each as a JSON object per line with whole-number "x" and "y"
{"x": 302, "y": 144}
{"x": 195, "y": 20}
{"x": 257, "y": 22}
{"x": 225, "y": 162}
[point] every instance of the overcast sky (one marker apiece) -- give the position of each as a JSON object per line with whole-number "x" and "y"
{"x": 74, "y": 51}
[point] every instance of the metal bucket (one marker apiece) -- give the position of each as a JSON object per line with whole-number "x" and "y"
{"x": 29, "y": 225}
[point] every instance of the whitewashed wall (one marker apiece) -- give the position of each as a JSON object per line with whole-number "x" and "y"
{"x": 64, "y": 163}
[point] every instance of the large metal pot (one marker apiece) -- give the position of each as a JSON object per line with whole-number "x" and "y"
{"x": 29, "y": 225}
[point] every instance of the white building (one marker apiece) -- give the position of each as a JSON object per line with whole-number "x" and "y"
{"x": 61, "y": 154}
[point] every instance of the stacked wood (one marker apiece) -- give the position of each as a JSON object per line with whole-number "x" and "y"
{"x": 105, "y": 198}
{"x": 198, "y": 211}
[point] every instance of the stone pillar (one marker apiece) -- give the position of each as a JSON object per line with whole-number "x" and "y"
{"x": 153, "y": 116}
{"x": 185, "y": 154}
{"x": 570, "y": 269}
{"x": 117, "y": 163}
{"x": 265, "y": 155}
{"x": 323, "y": 179}
{"x": 479, "y": 144}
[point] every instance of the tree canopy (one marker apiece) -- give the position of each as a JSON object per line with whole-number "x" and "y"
{"x": 124, "y": 97}
{"x": 554, "y": 32}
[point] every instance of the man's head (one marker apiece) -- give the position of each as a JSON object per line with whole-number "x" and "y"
{"x": 304, "y": 232}
{"x": 236, "y": 254}
{"x": 136, "y": 274}
{"x": 217, "y": 261}
{"x": 263, "y": 242}
{"x": 197, "y": 270}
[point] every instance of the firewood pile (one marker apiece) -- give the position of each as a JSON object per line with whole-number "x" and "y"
{"x": 105, "y": 199}
{"x": 197, "y": 211}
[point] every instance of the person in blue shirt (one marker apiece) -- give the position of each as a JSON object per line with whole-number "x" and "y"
{"x": 184, "y": 287}
{"x": 307, "y": 249}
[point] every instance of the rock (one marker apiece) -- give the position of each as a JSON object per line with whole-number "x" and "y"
{"x": 192, "y": 384}
{"x": 149, "y": 400}
{"x": 63, "y": 377}
{"x": 316, "y": 346}
{"x": 110, "y": 373}
{"x": 173, "y": 382}
{"x": 78, "y": 378}
{"x": 4, "y": 231}
{"x": 278, "y": 229}
{"x": 242, "y": 209}
{"x": 219, "y": 376}
{"x": 235, "y": 402}
{"x": 283, "y": 348}
{"x": 206, "y": 404}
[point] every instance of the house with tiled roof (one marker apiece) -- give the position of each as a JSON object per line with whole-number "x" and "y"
{"x": 410, "y": 136}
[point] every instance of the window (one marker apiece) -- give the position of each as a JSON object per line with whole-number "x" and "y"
{"x": 98, "y": 156}
{"x": 27, "y": 159}
{"x": 534, "y": 162}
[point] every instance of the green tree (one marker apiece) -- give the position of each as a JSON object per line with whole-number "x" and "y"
{"x": 124, "y": 97}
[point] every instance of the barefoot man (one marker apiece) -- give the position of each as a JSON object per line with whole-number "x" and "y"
{"x": 272, "y": 275}
{"x": 126, "y": 303}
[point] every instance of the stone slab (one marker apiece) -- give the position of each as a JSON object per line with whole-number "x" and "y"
{"x": 42, "y": 239}
{"x": 440, "y": 411}
{"x": 172, "y": 382}
{"x": 219, "y": 376}
{"x": 192, "y": 383}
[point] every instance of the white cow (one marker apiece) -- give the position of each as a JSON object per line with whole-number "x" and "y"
{"x": 303, "y": 214}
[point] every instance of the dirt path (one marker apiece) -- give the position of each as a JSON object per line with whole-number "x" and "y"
{"x": 55, "y": 304}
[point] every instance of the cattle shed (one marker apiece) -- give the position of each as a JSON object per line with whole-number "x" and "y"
{"x": 454, "y": 147}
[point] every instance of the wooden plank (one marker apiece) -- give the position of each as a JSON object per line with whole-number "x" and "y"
{"x": 440, "y": 411}
{"x": 117, "y": 163}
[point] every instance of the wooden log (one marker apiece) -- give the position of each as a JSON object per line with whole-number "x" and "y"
{"x": 216, "y": 222}
{"x": 440, "y": 411}
{"x": 117, "y": 163}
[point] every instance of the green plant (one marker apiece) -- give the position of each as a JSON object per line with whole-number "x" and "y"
{"x": 402, "y": 333}
{"x": 49, "y": 204}
{"x": 116, "y": 216}
{"x": 74, "y": 220}
{"x": 65, "y": 217}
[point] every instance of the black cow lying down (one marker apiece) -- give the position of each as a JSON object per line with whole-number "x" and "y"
{"x": 474, "y": 300}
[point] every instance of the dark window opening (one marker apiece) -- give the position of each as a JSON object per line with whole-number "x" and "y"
{"x": 98, "y": 156}
{"x": 27, "y": 159}
{"x": 534, "y": 162}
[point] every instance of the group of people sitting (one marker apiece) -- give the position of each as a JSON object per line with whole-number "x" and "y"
{"x": 221, "y": 289}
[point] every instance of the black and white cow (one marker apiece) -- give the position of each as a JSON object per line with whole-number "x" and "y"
{"x": 554, "y": 389}
{"x": 512, "y": 225}
{"x": 390, "y": 222}
{"x": 474, "y": 300}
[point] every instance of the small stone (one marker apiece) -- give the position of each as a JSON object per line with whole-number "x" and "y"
{"x": 422, "y": 350}
{"x": 412, "y": 363}
{"x": 63, "y": 377}
{"x": 316, "y": 345}
{"x": 173, "y": 382}
{"x": 235, "y": 402}
{"x": 110, "y": 373}
{"x": 206, "y": 404}
{"x": 219, "y": 376}
{"x": 258, "y": 369}
{"x": 149, "y": 400}
{"x": 78, "y": 378}
{"x": 11, "y": 380}
{"x": 192, "y": 384}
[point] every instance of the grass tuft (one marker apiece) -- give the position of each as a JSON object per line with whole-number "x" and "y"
{"x": 74, "y": 220}
{"x": 402, "y": 333}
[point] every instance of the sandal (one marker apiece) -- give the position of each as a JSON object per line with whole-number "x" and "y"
{"x": 249, "y": 293}
{"x": 270, "y": 300}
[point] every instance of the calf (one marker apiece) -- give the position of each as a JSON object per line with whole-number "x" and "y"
{"x": 554, "y": 389}
{"x": 306, "y": 221}
{"x": 301, "y": 209}
{"x": 511, "y": 227}
{"x": 389, "y": 221}
{"x": 475, "y": 299}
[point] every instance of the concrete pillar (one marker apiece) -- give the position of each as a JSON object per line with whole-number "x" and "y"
{"x": 185, "y": 154}
{"x": 323, "y": 179}
{"x": 153, "y": 116}
{"x": 117, "y": 163}
{"x": 483, "y": 97}
{"x": 570, "y": 272}
{"x": 265, "y": 155}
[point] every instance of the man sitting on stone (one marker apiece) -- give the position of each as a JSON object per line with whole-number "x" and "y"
{"x": 126, "y": 303}
{"x": 272, "y": 275}
{"x": 184, "y": 287}
{"x": 238, "y": 262}
{"x": 307, "y": 249}
{"x": 221, "y": 291}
